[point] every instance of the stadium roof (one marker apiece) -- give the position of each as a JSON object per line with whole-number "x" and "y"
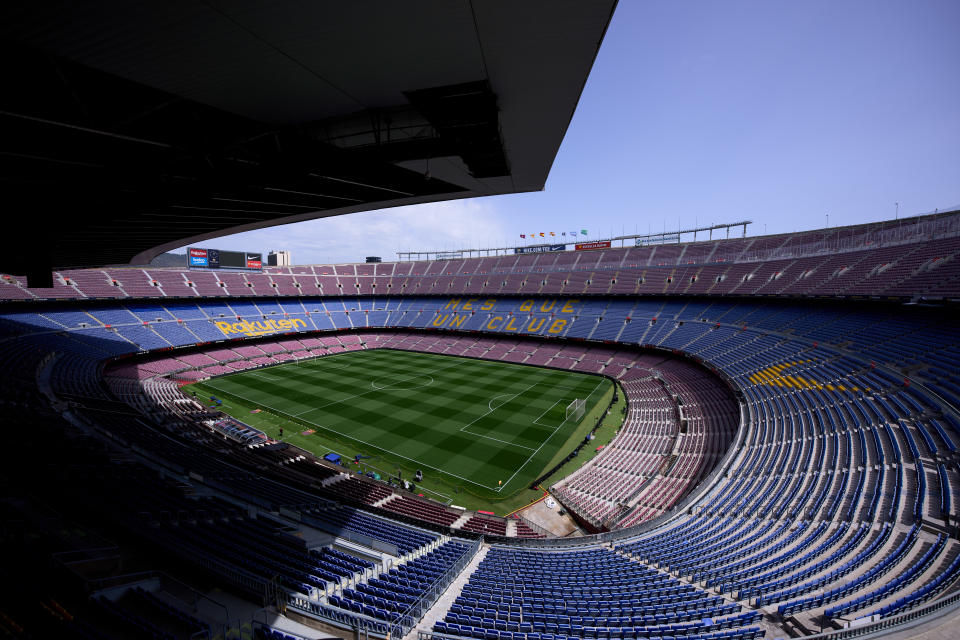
{"x": 131, "y": 128}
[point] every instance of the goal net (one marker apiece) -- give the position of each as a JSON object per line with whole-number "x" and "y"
{"x": 575, "y": 410}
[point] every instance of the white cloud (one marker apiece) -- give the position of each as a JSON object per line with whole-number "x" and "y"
{"x": 440, "y": 226}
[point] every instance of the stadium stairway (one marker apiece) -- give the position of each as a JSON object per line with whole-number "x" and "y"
{"x": 462, "y": 520}
{"x": 383, "y": 501}
{"x": 442, "y": 605}
{"x": 390, "y": 594}
{"x": 326, "y": 482}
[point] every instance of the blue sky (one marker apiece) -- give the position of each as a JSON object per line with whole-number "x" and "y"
{"x": 706, "y": 112}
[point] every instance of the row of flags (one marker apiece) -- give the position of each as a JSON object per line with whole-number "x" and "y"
{"x": 544, "y": 235}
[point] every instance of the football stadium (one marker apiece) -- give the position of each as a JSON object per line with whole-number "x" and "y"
{"x": 700, "y": 434}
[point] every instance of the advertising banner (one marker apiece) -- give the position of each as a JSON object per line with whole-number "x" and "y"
{"x": 646, "y": 242}
{"x": 588, "y": 246}
{"x": 541, "y": 248}
{"x": 198, "y": 257}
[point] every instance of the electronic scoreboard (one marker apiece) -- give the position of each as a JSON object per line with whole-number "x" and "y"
{"x": 216, "y": 259}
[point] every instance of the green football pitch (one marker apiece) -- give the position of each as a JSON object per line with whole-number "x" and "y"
{"x": 477, "y": 423}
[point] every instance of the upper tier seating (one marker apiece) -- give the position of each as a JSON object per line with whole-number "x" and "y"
{"x": 908, "y": 258}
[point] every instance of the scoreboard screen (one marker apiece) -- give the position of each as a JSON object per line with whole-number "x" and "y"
{"x": 216, "y": 259}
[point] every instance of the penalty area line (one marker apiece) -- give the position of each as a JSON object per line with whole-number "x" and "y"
{"x": 512, "y": 444}
{"x": 536, "y": 420}
{"x": 485, "y": 414}
{"x": 548, "y": 438}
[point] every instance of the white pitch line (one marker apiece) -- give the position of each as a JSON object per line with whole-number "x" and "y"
{"x": 483, "y": 415}
{"x": 513, "y": 396}
{"x": 389, "y": 387}
{"x": 463, "y": 429}
{"x": 543, "y": 443}
{"x": 394, "y": 453}
{"x": 536, "y": 420}
{"x": 266, "y": 376}
{"x": 328, "y": 366}
{"x": 512, "y": 444}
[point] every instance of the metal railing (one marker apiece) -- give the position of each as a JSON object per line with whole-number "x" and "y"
{"x": 349, "y": 534}
{"x": 927, "y": 613}
{"x": 416, "y": 611}
{"x": 404, "y": 622}
{"x": 922, "y": 615}
{"x": 338, "y": 618}
{"x": 534, "y": 527}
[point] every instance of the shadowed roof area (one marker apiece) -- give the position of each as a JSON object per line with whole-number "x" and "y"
{"x": 131, "y": 128}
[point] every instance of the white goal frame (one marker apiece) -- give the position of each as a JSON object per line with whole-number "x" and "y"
{"x": 576, "y": 409}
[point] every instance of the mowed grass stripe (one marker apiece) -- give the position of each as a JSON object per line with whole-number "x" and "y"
{"x": 450, "y": 424}
{"x": 357, "y": 378}
{"x": 422, "y": 398}
{"x": 375, "y": 413}
{"x": 404, "y": 428}
{"x": 302, "y": 389}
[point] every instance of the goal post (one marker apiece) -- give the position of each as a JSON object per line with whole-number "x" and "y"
{"x": 576, "y": 409}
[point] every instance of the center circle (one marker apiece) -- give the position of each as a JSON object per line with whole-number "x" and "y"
{"x": 407, "y": 384}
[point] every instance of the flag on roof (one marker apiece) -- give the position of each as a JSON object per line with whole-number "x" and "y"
{"x": 523, "y": 235}
{"x": 541, "y": 234}
{"x": 573, "y": 233}
{"x": 563, "y": 233}
{"x": 552, "y": 233}
{"x": 583, "y": 231}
